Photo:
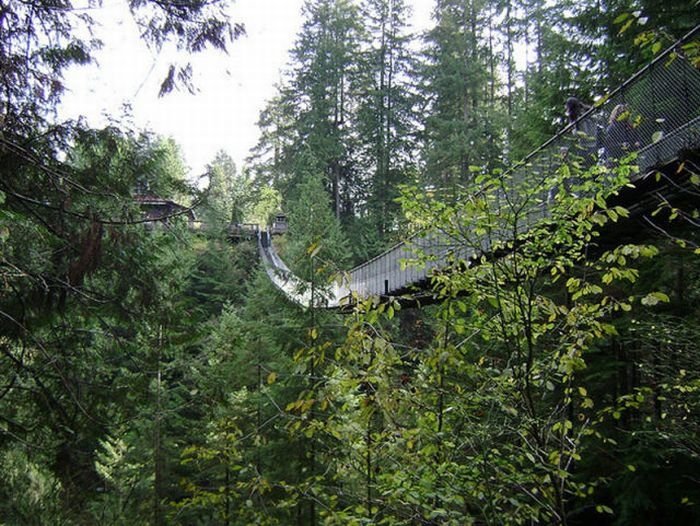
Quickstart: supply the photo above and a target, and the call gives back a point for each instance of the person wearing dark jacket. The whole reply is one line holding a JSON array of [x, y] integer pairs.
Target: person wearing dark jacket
[[574, 108]]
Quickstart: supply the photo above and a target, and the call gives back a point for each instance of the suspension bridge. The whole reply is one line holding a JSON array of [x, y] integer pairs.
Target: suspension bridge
[[661, 103]]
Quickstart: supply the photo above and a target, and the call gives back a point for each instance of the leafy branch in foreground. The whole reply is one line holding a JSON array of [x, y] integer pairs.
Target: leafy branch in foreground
[[498, 420]]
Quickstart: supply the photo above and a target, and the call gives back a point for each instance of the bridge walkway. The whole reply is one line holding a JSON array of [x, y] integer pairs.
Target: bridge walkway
[[661, 101]]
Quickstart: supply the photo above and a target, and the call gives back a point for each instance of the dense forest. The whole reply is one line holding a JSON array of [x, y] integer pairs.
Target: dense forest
[[150, 372]]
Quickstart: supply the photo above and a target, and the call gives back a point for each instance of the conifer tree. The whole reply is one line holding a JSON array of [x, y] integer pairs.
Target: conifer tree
[[317, 246], [459, 128], [313, 114], [385, 117]]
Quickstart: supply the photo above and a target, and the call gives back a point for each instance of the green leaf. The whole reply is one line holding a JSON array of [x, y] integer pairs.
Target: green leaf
[[654, 298], [313, 249], [626, 26]]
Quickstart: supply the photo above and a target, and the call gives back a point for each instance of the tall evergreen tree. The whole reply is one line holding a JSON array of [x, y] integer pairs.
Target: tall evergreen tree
[[459, 128], [271, 158], [317, 246], [552, 72], [228, 194], [92, 302], [385, 118], [317, 101]]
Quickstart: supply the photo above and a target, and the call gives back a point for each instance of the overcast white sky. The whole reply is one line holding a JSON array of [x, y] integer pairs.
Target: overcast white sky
[[233, 88]]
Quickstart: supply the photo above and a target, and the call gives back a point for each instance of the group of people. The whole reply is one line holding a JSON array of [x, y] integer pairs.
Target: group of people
[[609, 143]]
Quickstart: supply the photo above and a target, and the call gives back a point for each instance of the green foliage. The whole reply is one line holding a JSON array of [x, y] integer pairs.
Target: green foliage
[[266, 204], [97, 336], [228, 195], [317, 246], [30, 490], [460, 126], [500, 417], [220, 275], [386, 114]]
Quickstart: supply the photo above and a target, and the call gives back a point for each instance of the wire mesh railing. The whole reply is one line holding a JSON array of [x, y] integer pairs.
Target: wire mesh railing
[[655, 115]]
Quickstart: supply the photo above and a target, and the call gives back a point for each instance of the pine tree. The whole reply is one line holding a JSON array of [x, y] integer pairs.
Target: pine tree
[[323, 78], [312, 116], [459, 128], [385, 117], [317, 247]]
